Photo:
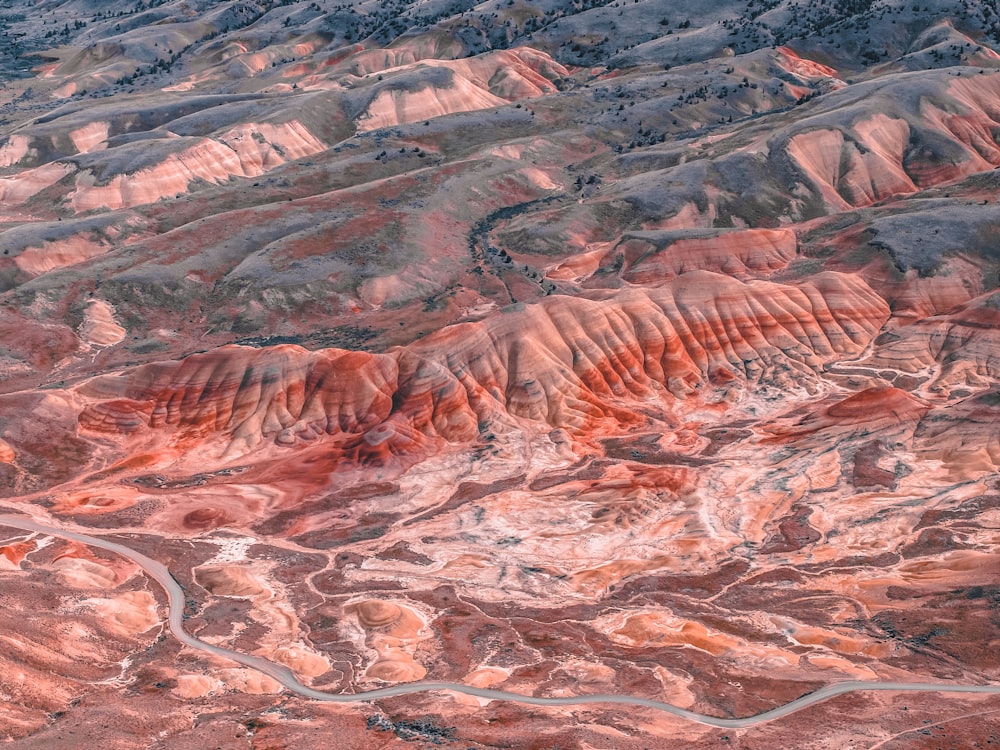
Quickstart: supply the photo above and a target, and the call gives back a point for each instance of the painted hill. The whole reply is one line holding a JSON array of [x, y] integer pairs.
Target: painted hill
[[562, 347]]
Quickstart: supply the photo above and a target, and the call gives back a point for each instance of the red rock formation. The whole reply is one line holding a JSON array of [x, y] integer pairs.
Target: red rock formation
[[648, 259], [565, 362], [885, 403], [249, 393], [882, 409]]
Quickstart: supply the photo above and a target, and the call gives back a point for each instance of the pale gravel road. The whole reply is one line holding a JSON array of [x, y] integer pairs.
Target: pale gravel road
[[175, 599]]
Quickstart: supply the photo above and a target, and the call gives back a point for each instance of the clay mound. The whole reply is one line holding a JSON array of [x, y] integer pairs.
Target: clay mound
[[880, 410], [569, 361], [852, 147], [917, 298], [229, 580], [880, 403], [360, 61], [376, 613], [12, 554], [203, 519], [99, 327], [249, 393], [396, 668], [511, 73], [117, 416], [389, 618], [15, 148], [650, 257], [963, 436], [127, 614], [398, 443], [788, 61], [21, 187], [82, 573], [653, 256], [122, 159], [302, 661], [964, 343], [392, 630], [49, 256]]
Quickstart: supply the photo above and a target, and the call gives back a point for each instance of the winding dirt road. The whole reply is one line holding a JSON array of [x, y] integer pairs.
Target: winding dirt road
[[175, 599]]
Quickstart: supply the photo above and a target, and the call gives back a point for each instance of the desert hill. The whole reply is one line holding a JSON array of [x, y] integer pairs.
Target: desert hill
[[562, 347]]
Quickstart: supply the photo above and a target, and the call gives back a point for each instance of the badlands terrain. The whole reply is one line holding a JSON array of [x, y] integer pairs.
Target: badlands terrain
[[555, 347]]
